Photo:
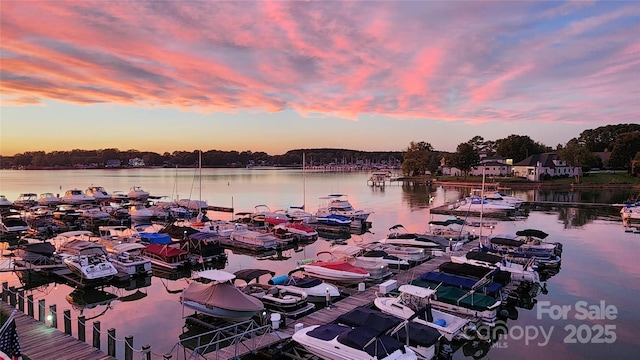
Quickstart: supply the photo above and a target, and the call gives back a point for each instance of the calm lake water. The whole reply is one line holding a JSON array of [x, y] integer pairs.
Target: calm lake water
[[599, 265]]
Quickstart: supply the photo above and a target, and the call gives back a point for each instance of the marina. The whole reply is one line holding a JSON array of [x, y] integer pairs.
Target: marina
[[187, 332]]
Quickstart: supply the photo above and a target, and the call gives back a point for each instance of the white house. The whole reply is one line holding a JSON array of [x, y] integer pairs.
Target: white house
[[535, 167]]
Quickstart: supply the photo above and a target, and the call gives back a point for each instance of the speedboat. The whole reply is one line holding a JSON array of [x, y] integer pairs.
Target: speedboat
[[339, 271], [4, 202], [26, 200], [341, 342], [414, 299], [519, 273], [411, 254], [136, 193], [219, 298], [127, 259], [286, 300], [630, 211], [139, 212], [475, 204], [98, 193], [12, 224], [255, 240], [398, 235], [378, 267], [333, 219], [316, 289], [299, 230], [75, 196], [94, 213], [48, 199], [196, 205], [90, 267], [339, 204], [66, 212]]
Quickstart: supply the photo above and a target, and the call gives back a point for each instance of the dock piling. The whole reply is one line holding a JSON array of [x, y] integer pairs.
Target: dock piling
[[96, 334], [67, 321], [41, 315], [82, 334], [111, 342], [21, 300], [146, 350], [5, 291], [30, 305], [128, 347], [54, 316]]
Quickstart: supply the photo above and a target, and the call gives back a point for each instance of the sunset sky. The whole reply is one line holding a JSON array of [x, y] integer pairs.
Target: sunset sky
[[274, 75]]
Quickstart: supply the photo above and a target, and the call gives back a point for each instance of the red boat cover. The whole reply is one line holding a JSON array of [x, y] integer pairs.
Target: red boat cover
[[165, 251], [221, 295], [341, 266]]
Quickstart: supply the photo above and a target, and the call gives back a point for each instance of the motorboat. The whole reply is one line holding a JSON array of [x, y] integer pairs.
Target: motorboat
[[510, 243], [414, 299], [219, 298], [93, 213], [475, 204], [289, 301], [630, 211], [98, 193], [338, 204], [255, 240], [66, 213], [316, 289], [411, 254], [398, 235], [377, 267], [166, 256], [118, 195], [476, 272], [500, 198], [452, 229], [422, 339], [138, 212], [127, 259], [299, 230], [463, 302], [341, 342], [519, 273], [12, 224], [75, 197], [48, 199], [4, 202], [339, 271], [26, 200], [38, 253], [333, 219], [90, 267], [136, 193], [194, 205]]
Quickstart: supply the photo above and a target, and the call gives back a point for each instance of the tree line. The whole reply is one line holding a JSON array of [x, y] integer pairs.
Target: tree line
[[622, 141]]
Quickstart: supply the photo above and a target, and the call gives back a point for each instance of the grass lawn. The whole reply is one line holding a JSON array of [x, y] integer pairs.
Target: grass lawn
[[601, 178]]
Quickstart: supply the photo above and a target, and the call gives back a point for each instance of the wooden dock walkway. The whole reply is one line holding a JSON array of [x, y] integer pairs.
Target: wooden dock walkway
[[41, 342]]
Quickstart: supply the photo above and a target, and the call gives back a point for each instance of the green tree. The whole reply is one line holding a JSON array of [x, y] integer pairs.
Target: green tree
[[417, 158], [519, 147], [465, 157], [576, 154], [625, 148], [604, 137]]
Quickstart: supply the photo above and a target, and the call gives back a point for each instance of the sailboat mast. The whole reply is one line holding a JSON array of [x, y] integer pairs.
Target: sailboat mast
[[304, 182], [482, 203]]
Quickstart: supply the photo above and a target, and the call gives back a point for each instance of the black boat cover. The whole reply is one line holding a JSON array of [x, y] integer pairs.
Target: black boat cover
[[499, 276], [250, 274], [419, 334], [304, 283], [461, 282], [371, 318], [328, 331], [532, 233], [359, 337], [447, 222], [43, 248], [507, 242], [483, 256]]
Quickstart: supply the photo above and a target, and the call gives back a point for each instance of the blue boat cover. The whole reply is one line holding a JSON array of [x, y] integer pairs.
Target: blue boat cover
[[419, 334], [156, 238], [459, 281], [359, 337]]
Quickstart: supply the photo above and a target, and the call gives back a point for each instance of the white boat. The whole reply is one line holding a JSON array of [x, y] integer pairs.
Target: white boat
[[219, 298], [98, 193], [410, 240], [48, 199], [414, 299], [127, 259], [12, 224], [500, 198], [4, 202], [376, 257], [66, 212], [409, 253], [299, 230], [316, 289], [90, 267], [243, 237], [75, 197], [94, 213], [191, 204], [399, 235], [139, 212], [519, 273], [136, 193], [630, 211], [286, 300], [26, 200], [339, 271], [118, 195], [340, 342], [338, 204], [475, 204]]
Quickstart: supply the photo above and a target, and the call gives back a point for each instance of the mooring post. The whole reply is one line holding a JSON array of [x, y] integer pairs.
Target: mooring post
[[128, 347], [54, 316], [5, 288], [82, 334], [12, 296], [67, 321], [96, 334], [146, 350], [41, 316], [30, 305], [21, 300], [111, 342]]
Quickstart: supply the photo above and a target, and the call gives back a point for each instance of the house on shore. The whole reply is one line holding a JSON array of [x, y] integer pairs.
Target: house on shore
[[538, 166]]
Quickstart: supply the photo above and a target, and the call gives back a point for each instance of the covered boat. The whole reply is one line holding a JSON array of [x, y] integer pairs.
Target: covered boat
[[340, 271], [316, 289], [219, 298]]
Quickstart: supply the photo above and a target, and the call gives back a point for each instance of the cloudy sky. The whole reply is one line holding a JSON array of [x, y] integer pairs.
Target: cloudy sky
[[275, 75]]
